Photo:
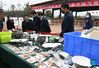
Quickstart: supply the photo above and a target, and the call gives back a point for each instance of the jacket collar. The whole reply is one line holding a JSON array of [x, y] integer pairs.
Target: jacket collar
[[67, 12]]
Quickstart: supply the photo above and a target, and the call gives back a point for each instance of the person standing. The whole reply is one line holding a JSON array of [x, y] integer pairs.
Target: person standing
[[88, 21], [10, 24], [34, 14], [27, 24], [68, 21], [36, 21], [44, 24], [1, 20], [1, 25]]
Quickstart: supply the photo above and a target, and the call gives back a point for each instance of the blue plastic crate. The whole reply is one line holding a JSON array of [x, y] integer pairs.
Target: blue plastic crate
[[76, 45]]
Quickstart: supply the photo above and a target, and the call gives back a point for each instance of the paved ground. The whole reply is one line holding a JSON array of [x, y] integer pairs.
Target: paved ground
[[56, 28]]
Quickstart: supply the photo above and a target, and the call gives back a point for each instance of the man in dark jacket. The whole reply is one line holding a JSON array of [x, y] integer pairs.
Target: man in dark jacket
[[44, 24], [1, 19], [68, 21], [1, 25], [36, 21], [10, 24], [27, 24]]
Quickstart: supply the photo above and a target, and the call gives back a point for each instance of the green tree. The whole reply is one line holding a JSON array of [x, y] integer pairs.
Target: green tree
[[27, 9], [19, 13], [13, 10]]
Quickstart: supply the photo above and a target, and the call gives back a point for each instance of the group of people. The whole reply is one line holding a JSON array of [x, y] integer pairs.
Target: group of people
[[9, 23], [40, 23], [68, 21]]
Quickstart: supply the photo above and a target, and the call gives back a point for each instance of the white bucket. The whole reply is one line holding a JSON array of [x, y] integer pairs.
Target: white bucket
[[81, 62]]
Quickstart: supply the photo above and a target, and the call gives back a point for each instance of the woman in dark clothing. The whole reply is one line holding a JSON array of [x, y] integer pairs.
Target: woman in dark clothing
[[27, 24], [44, 25], [88, 21], [10, 24]]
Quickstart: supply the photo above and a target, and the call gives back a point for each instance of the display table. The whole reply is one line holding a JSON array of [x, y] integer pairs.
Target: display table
[[12, 59], [31, 53]]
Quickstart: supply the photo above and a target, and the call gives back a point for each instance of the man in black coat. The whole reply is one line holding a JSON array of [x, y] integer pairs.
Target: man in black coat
[[44, 24], [68, 21], [36, 21], [10, 24], [1, 20], [1, 25], [27, 24]]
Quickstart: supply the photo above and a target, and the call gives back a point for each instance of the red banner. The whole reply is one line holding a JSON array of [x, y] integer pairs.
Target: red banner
[[86, 3], [92, 1]]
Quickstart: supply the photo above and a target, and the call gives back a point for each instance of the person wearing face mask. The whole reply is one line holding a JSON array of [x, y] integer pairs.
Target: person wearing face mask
[[88, 21], [68, 21], [27, 24]]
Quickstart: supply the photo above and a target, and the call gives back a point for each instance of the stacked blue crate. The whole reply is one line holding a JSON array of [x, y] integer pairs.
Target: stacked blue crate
[[76, 45]]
